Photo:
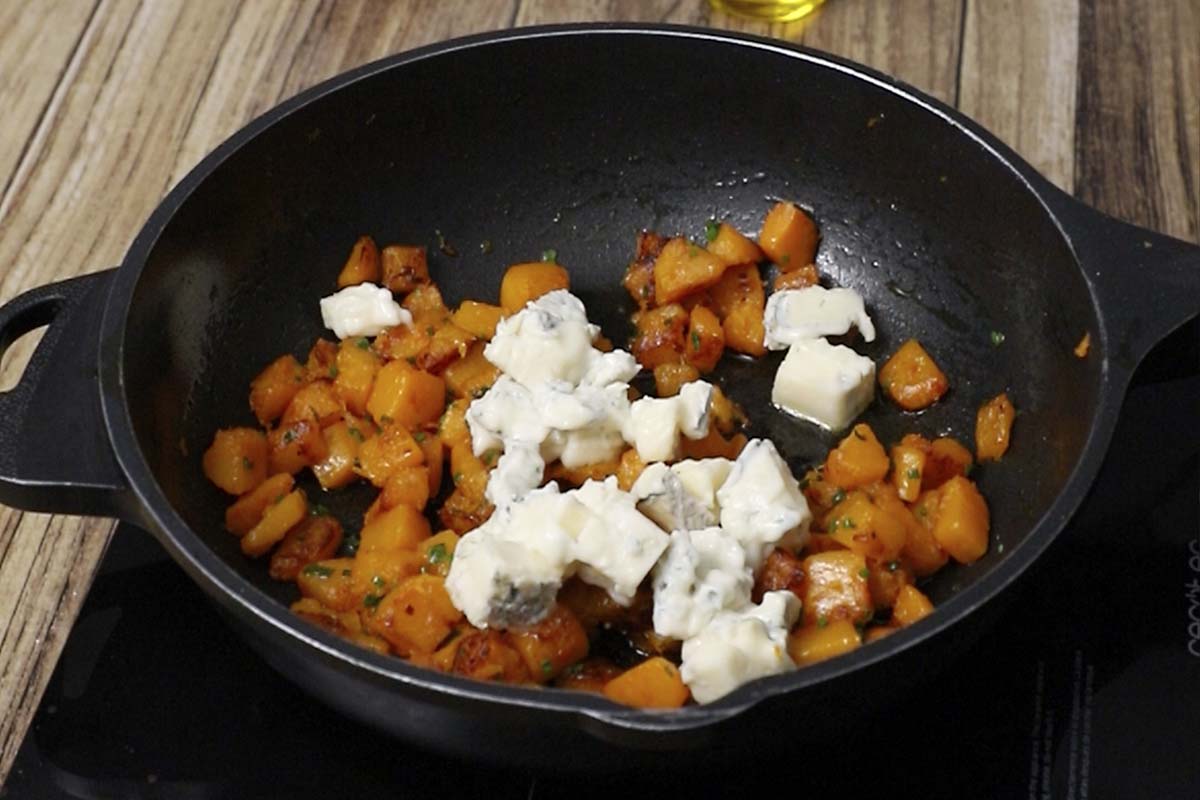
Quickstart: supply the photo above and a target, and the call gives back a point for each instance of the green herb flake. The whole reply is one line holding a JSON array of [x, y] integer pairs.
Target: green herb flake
[[997, 338], [786, 258], [346, 573], [247, 464], [444, 246], [695, 341], [645, 290], [333, 371], [278, 499], [489, 456], [317, 571], [822, 621], [547, 667], [372, 600], [418, 436], [357, 434], [412, 360], [350, 544], [437, 554], [922, 511], [550, 255], [485, 246], [457, 478], [319, 510], [838, 496], [430, 330], [847, 522], [693, 251], [377, 581], [289, 436], [864, 573], [913, 474], [711, 229], [363, 343]]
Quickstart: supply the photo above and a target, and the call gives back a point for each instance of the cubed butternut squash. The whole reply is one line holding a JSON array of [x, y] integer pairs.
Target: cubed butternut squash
[[415, 616], [337, 468], [683, 268], [800, 278], [407, 486], [946, 458], [297, 445], [669, 377], [732, 247], [362, 265], [655, 683], [330, 583], [274, 388], [277, 520], [961, 524], [859, 459], [524, 282], [317, 399], [908, 465], [237, 461], [437, 553], [404, 267], [835, 588], [406, 396], [480, 319], [816, 643], [383, 454], [661, 336], [248, 510], [911, 605], [313, 539], [706, 339], [551, 645], [865, 528], [912, 378], [993, 426], [471, 375], [356, 368], [789, 236]]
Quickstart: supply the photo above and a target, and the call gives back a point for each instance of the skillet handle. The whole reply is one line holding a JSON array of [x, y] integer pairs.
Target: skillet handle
[[55, 454], [1147, 284]]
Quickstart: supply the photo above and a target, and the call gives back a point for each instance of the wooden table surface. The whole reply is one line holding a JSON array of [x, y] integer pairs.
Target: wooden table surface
[[106, 104]]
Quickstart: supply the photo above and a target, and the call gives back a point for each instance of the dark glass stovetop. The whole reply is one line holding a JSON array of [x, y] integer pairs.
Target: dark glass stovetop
[[1089, 687]]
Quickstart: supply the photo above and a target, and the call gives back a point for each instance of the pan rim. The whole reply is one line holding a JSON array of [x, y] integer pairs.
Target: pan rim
[[243, 598]]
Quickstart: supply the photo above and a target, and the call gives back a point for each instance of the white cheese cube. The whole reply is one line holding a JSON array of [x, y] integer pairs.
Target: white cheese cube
[[703, 573], [655, 423], [702, 478], [362, 310], [761, 503], [739, 646], [618, 549], [823, 383], [814, 311], [518, 472], [662, 497]]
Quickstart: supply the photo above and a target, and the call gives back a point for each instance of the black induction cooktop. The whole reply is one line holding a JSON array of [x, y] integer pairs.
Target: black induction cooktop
[[1089, 687]]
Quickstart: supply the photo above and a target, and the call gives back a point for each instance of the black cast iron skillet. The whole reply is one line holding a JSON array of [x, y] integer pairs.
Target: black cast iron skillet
[[575, 138]]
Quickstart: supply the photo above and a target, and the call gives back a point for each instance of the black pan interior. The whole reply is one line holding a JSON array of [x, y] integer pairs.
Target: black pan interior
[[576, 143]]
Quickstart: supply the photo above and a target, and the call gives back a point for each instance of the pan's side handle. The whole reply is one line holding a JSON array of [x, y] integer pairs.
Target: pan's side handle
[[1147, 284], [55, 454]]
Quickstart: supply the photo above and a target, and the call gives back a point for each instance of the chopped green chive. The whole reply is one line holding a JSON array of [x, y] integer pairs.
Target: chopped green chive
[[430, 330], [711, 229], [247, 464], [997, 338], [847, 522], [695, 341], [489, 456], [838, 496], [377, 581], [363, 343], [437, 554], [485, 246], [419, 436], [913, 473], [372, 600], [457, 478], [550, 255], [333, 371], [822, 621], [289, 436], [864, 573], [786, 258], [547, 667], [319, 510], [357, 434], [693, 251], [412, 360], [317, 571]]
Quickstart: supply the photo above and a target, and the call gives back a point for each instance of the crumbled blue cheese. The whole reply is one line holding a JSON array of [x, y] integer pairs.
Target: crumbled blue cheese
[[795, 315], [761, 503], [362, 310], [656, 423], [616, 551], [508, 571], [736, 647], [824, 383], [549, 340], [662, 497], [702, 478], [703, 573]]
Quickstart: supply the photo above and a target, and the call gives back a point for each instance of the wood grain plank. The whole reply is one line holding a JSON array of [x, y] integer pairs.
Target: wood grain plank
[[1138, 130], [1018, 78], [48, 34]]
